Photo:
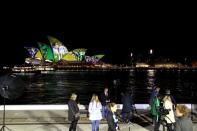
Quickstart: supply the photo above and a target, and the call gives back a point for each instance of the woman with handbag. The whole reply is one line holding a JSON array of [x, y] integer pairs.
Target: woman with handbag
[[95, 114], [169, 118], [73, 112]]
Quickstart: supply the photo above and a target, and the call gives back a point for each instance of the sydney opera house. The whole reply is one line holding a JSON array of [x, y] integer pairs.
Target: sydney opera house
[[55, 55], [56, 52]]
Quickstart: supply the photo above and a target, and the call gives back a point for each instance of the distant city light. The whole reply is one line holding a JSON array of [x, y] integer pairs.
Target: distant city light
[[151, 51], [131, 54]]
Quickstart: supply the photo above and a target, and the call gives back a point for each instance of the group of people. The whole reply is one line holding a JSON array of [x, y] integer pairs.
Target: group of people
[[164, 110], [104, 109]]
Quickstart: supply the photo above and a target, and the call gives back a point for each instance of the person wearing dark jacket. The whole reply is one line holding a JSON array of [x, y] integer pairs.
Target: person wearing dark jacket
[[104, 98], [111, 117], [127, 107], [183, 123], [73, 112]]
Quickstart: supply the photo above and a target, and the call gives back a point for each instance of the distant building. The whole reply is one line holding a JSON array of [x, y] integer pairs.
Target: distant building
[[142, 65], [167, 65]]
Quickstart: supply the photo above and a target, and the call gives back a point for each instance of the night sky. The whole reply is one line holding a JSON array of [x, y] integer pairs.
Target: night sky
[[115, 35]]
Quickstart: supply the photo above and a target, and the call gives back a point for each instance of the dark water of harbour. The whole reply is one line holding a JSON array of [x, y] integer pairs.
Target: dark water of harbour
[[56, 87]]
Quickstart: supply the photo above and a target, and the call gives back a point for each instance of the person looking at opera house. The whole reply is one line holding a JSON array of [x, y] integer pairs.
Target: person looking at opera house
[[95, 114]]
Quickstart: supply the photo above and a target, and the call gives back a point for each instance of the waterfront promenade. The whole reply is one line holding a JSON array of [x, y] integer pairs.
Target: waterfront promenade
[[56, 120], [53, 120]]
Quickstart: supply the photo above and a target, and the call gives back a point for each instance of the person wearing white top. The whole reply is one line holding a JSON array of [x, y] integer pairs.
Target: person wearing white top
[[95, 114], [170, 117]]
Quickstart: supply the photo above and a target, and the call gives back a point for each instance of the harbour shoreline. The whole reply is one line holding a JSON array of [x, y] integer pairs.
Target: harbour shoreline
[[38, 69]]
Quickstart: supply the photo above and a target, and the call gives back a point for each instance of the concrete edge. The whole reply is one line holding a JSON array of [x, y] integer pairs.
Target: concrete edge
[[65, 107]]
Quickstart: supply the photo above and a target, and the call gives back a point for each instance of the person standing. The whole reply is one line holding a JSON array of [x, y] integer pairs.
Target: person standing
[[127, 107], [168, 92], [94, 110], [104, 100], [154, 92], [155, 105], [183, 122], [169, 118], [73, 112], [111, 117]]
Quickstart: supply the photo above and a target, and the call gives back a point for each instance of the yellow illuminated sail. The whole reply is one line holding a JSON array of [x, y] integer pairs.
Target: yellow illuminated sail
[[70, 57], [38, 55]]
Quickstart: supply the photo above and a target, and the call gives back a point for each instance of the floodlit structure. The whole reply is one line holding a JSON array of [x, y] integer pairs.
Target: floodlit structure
[[56, 52]]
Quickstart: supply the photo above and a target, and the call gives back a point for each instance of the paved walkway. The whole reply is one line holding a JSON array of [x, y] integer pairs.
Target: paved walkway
[[53, 120], [56, 120], [65, 127]]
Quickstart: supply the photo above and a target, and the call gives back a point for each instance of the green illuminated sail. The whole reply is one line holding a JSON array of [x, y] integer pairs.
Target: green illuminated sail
[[53, 41], [79, 53], [46, 51], [98, 56]]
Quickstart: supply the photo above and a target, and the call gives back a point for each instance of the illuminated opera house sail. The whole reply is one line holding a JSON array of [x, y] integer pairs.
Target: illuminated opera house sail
[[56, 52]]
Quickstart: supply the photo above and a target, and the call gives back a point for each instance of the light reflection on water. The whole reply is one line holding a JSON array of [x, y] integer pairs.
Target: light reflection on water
[[56, 87]]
